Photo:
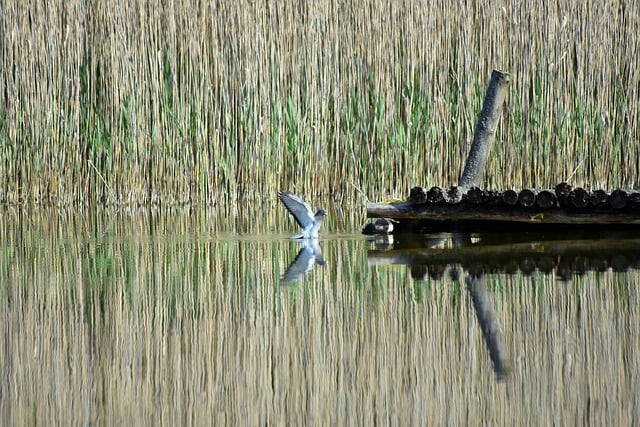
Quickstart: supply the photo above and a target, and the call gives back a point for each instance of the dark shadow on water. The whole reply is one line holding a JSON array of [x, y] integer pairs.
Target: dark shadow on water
[[467, 256]]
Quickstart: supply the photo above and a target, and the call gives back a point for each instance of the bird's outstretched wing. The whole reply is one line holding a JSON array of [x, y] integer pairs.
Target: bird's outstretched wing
[[297, 207]]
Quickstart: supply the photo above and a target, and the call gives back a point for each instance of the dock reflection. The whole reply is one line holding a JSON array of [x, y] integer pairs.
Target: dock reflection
[[467, 257], [568, 253]]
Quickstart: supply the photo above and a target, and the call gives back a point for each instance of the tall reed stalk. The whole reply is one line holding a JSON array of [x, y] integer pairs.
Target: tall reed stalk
[[102, 101]]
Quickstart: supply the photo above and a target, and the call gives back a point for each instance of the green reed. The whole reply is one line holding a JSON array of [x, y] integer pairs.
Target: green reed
[[216, 102]]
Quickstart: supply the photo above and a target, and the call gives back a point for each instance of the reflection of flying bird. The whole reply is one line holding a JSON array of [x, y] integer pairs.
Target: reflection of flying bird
[[309, 254], [303, 214]]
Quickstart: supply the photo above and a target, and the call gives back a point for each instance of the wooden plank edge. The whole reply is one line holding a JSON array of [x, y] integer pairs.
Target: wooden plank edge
[[399, 211]]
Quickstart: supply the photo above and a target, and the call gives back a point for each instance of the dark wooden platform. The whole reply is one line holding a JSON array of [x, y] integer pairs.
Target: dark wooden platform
[[469, 204], [561, 205]]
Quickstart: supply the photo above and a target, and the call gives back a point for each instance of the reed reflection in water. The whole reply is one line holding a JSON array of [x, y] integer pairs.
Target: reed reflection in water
[[174, 318]]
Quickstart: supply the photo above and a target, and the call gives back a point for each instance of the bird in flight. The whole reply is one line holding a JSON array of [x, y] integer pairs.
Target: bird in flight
[[303, 214]]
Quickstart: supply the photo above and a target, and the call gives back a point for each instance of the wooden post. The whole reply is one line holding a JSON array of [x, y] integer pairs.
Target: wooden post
[[546, 199], [527, 197], [476, 195], [599, 198], [579, 197], [510, 197], [619, 199], [436, 195], [563, 192], [485, 130], [418, 195]]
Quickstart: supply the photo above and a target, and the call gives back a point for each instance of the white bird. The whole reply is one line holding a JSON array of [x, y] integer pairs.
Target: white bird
[[303, 214]]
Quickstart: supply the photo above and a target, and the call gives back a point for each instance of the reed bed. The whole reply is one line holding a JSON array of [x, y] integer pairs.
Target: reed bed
[[208, 102]]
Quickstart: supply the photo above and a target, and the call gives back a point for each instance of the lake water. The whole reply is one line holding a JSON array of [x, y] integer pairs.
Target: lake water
[[173, 317]]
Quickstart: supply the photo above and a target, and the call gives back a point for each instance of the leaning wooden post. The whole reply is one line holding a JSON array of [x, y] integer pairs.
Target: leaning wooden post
[[485, 130]]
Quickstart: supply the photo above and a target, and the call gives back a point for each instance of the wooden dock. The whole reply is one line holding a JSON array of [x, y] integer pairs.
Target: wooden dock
[[468, 203], [561, 205]]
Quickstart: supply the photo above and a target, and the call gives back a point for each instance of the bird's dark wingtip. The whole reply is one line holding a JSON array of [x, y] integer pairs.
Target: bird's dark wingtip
[[283, 194]]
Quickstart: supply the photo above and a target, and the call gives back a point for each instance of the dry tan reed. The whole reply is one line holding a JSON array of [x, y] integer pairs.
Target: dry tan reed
[[105, 101]]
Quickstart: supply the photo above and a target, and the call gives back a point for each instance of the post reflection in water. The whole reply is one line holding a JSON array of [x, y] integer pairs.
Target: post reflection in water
[[472, 255], [490, 325]]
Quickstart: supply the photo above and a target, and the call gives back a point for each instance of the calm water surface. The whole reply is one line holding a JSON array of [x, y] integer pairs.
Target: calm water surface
[[175, 317]]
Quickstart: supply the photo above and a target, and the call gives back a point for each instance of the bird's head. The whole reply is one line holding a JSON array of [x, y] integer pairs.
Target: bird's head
[[321, 213]]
